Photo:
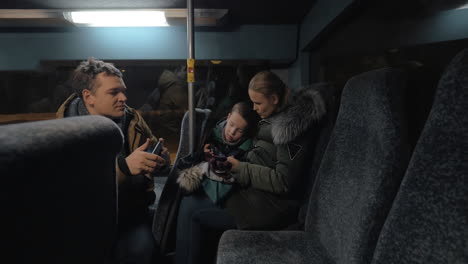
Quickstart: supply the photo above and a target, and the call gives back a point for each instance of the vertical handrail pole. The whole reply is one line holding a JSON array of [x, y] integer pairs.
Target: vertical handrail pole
[[191, 74]]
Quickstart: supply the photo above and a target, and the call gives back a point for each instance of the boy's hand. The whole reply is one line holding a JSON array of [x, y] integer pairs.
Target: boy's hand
[[234, 162], [208, 152], [207, 149], [140, 161]]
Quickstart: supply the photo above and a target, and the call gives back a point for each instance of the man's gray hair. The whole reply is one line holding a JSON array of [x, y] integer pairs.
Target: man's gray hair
[[84, 76]]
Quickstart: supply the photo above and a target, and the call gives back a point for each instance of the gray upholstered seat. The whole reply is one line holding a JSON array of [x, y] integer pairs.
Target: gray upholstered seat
[[358, 178], [59, 196], [167, 208], [318, 141], [428, 222]]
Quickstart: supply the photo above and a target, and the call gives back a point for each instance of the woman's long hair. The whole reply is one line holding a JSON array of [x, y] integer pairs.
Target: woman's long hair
[[269, 84]]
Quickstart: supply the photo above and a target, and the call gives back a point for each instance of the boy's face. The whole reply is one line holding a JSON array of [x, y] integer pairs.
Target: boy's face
[[108, 98], [235, 127]]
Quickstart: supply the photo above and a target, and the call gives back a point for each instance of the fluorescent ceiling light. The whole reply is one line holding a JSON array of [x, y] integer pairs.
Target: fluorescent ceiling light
[[117, 18], [106, 17]]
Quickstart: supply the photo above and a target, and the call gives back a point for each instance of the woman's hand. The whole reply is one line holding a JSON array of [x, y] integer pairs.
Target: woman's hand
[[234, 162]]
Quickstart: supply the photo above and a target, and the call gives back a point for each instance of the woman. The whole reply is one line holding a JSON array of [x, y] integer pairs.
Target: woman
[[269, 183], [267, 192]]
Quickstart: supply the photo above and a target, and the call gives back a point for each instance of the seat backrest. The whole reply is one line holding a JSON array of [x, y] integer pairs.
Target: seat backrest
[[428, 222], [201, 119], [318, 141], [59, 196], [362, 167], [168, 203]]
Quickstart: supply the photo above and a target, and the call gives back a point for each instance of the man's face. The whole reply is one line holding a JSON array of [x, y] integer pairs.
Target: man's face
[[108, 98]]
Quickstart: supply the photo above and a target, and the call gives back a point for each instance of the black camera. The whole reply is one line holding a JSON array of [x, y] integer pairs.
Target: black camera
[[220, 165]]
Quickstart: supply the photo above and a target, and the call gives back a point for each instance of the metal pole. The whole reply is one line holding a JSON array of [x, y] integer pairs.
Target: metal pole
[[190, 74]]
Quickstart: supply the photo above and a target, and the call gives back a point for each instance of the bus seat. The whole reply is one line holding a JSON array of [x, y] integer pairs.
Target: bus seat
[[59, 196], [319, 139], [428, 222], [167, 208], [356, 183]]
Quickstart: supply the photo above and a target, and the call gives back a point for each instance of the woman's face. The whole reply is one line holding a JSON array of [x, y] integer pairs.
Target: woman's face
[[235, 127], [265, 106]]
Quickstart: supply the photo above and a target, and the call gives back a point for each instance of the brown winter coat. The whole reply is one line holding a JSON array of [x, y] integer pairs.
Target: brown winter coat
[[137, 133]]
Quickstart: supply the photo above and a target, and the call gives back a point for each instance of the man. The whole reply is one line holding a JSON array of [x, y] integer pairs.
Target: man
[[100, 90]]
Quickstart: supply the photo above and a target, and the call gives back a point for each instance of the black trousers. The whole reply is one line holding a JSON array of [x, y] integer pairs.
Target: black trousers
[[135, 242], [200, 224]]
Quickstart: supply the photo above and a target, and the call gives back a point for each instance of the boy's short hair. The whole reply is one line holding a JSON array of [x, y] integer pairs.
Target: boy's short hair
[[245, 110]]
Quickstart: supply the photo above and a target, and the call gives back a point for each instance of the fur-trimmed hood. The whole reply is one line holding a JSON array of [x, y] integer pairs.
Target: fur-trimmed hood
[[305, 107]]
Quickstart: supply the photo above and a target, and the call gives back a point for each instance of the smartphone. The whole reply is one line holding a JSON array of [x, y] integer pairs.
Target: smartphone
[[158, 148]]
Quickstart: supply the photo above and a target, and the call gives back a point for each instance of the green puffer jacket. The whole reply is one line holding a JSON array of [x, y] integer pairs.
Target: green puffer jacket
[[267, 197], [216, 190]]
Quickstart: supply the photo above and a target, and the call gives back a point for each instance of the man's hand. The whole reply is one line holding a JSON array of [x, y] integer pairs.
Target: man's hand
[[164, 151], [165, 155], [140, 161], [234, 163]]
